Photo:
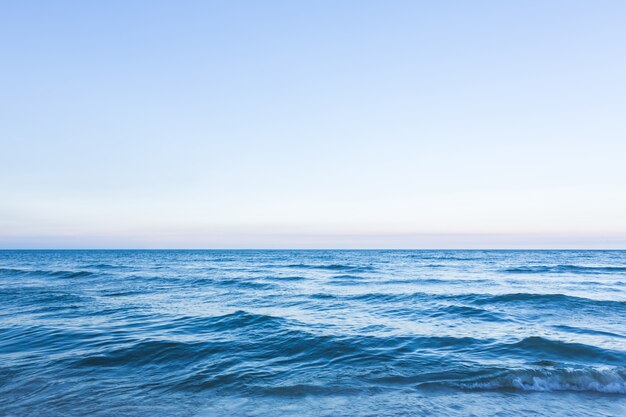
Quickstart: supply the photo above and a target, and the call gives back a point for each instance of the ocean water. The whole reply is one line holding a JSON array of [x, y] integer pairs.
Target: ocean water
[[312, 333]]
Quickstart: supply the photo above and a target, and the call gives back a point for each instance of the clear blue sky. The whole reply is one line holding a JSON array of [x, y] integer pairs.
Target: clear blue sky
[[312, 124]]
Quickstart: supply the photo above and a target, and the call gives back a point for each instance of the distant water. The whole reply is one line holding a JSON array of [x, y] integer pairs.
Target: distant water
[[324, 333]]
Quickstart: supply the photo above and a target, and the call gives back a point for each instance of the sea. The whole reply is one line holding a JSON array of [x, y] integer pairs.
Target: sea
[[312, 333]]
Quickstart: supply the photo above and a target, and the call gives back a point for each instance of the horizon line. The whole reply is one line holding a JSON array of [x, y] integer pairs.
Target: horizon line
[[313, 249]]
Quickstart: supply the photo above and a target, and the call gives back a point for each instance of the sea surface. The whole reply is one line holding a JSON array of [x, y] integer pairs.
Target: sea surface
[[312, 333]]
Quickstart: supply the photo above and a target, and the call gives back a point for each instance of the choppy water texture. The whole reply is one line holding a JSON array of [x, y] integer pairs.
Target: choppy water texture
[[356, 333]]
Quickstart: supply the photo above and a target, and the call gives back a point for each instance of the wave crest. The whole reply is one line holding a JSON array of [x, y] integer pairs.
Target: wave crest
[[55, 274], [575, 269], [607, 380]]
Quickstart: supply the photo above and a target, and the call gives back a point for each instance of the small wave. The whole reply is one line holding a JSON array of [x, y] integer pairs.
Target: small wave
[[9, 271], [580, 330], [243, 283], [386, 298], [324, 296], [308, 389], [231, 321], [520, 296], [152, 351], [332, 267], [576, 269], [347, 276], [437, 281], [543, 347], [609, 380], [107, 266], [442, 257], [57, 274], [289, 278], [164, 352], [346, 279], [42, 339], [72, 274], [558, 299], [466, 311], [23, 272], [122, 293]]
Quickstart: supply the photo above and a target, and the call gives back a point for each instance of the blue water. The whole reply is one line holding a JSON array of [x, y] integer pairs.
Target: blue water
[[324, 333]]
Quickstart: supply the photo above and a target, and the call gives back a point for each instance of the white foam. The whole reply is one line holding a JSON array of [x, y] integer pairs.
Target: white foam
[[605, 380]]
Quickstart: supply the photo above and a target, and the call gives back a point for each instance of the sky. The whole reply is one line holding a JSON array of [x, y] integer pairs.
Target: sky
[[313, 124]]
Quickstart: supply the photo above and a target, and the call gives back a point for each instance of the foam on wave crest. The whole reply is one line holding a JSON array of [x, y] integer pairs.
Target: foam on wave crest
[[607, 380]]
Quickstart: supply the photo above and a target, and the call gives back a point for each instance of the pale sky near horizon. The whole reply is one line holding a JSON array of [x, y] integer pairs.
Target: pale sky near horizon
[[313, 124]]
